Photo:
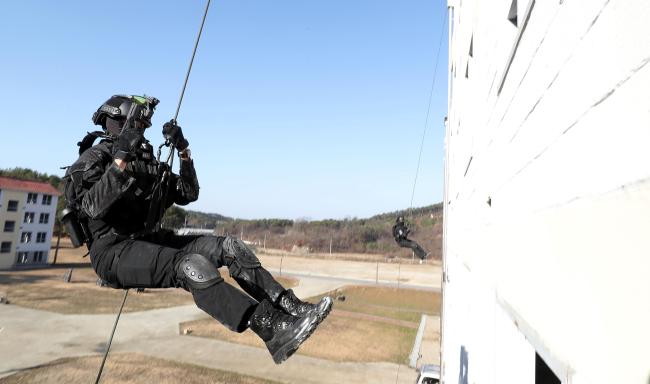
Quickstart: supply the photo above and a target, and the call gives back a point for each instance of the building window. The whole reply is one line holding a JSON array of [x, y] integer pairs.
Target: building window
[[47, 199], [31, 198], [10, 226], [44, 218], [5, 247], [12, 206], [512, 13], [471, 46], [39, 257], [40, 237], [543, 373], [518, 16], [29, 218], [26, 237], [21, 257]]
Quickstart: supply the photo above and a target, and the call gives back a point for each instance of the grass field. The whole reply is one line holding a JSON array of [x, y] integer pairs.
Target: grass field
[[376, 331], [126, 369], [400, 304]]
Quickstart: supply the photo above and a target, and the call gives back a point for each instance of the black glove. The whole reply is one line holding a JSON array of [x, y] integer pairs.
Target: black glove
[[126, 144], [174, 133]]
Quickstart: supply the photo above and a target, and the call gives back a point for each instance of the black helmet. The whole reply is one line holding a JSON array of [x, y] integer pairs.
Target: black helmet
[[118, 106], [400, 219]]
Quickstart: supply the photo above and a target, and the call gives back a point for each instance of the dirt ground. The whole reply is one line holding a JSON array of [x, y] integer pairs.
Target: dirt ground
[[373, 324], [370, 257], [126, 369], [43, 288]]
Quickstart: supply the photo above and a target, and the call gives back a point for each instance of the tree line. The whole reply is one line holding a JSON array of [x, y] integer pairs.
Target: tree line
[[369, 235]]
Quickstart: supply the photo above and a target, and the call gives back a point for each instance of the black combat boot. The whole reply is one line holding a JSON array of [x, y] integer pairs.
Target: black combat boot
[[282, 333], [294, 306]]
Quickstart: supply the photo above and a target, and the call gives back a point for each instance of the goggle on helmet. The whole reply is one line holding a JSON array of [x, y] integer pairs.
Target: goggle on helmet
[[118, 107]]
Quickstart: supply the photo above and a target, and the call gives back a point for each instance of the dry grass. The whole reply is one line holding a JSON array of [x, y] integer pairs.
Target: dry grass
[[338, 338], [400, 304], [83, 297], [126, 369], [44, 288], [372, 324]]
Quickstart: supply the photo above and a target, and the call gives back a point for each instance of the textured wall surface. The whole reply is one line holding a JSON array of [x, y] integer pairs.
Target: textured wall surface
[[547, 205]]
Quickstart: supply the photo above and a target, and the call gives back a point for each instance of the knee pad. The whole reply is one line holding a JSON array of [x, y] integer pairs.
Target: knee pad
[[238, 256], [198, 272]]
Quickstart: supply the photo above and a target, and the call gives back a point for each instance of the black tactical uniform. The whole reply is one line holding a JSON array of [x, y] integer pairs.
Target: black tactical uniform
[[400, 233], [127, 253]]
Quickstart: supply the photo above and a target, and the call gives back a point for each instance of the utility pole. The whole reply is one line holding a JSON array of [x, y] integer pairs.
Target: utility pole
[[58, 241], [265, 241], [377, 274], [330, 245], [242, 233]]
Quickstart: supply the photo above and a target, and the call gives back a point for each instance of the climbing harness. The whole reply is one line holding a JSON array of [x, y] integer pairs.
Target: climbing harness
[[161, 187]]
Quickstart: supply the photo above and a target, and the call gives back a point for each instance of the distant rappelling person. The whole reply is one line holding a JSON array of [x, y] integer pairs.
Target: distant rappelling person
[[400, 233], [111, 196]]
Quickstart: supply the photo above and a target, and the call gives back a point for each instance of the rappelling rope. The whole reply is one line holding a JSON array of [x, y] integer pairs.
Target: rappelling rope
[[110, 340], [189, 68], [417, 171], [170, 157], [426, 120], [170, 162]]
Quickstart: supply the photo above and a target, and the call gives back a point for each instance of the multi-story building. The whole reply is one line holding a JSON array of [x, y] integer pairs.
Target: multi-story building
[[27, 216], [547, 200]]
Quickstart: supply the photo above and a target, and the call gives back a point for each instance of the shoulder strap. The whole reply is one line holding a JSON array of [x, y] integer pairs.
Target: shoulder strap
[[89, 140]]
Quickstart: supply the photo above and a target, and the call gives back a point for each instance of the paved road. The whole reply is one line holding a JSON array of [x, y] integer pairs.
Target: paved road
[[32, 337], [421, 276]]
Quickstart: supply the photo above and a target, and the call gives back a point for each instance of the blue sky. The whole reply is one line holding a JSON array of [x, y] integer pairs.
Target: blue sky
[[293, 109]]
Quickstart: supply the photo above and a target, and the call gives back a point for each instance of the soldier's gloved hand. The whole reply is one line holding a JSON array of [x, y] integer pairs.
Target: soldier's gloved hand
[[126, 144], [174, 133]]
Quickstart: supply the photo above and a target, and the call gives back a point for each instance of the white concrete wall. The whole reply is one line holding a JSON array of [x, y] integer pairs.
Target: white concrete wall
[[559, 262]]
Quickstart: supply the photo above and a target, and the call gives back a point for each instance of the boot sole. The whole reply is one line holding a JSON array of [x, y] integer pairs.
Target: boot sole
[[324, 308], [306, 327]]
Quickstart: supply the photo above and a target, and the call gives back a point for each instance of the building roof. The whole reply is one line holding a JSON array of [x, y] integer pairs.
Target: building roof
[[27, 186]]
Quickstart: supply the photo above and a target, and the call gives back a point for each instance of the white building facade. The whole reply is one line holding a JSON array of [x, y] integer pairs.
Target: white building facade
[[27, 216], [547, 194]]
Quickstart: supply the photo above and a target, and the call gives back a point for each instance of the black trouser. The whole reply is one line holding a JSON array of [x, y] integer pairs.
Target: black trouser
[[406, 243], [151, 262]]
